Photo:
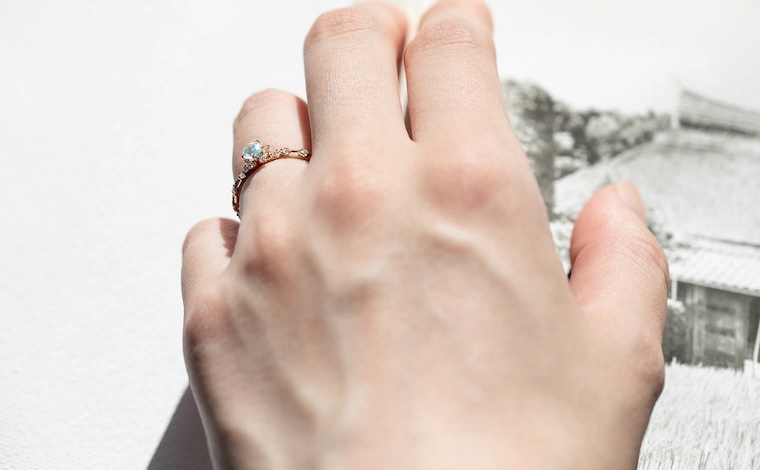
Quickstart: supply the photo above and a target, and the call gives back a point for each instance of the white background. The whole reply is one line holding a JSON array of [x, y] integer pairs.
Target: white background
[[115, 136]]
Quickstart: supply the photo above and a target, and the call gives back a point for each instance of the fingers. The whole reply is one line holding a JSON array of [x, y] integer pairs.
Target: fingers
[[206, 254], [453, 83], [620, 272], [351, 59], [274, 118]]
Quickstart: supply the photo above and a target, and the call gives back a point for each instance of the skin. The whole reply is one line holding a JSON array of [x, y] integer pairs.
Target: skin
[[398, 302]]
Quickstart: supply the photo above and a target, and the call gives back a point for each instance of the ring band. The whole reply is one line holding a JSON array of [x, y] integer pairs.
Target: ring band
[[256, 155]]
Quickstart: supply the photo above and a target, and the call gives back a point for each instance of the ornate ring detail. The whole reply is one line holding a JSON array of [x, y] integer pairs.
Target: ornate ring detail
[[255, 155]]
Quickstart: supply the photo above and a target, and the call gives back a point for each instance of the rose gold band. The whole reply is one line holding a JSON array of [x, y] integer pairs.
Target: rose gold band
[[255, 155]]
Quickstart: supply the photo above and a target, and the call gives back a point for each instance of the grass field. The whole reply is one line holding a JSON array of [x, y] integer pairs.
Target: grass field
[[705, 419]]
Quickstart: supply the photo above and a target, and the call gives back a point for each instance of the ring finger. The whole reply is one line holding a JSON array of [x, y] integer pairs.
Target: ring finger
[[277, 119]]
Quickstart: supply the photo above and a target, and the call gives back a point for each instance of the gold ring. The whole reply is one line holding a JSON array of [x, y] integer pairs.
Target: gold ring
[[255, 155]]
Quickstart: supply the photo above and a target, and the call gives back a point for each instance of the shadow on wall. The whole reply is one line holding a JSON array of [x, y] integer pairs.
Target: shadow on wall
[[183, 446]]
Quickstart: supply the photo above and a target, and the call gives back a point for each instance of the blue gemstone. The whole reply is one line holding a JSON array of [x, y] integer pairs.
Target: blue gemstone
[[253, 150]]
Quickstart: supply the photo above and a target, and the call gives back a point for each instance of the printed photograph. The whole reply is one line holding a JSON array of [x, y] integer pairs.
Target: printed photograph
[[678, 114]]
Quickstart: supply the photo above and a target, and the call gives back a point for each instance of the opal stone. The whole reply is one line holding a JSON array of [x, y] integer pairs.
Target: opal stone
[[253, 150]]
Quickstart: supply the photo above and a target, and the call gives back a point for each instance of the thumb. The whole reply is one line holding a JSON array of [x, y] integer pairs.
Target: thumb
[[618, 266]]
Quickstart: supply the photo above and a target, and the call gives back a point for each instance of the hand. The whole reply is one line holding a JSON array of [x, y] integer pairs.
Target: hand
[[398, 302]]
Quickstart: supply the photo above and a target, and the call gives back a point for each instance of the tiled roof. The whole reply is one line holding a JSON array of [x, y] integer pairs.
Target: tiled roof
[[721, 265], [692, 182]]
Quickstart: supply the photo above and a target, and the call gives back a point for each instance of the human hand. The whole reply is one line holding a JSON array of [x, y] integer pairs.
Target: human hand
[[398, 302]]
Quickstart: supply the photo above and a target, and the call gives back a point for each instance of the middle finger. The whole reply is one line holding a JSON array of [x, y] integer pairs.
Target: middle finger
[[351, 59], [453, 82]]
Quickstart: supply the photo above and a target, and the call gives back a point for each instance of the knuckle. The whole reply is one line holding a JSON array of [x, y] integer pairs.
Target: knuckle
[[451, 34], [350, 193], [630, 244], [647, 253], [469, 185], [274, 244], [258, 102], [197, 238], [206, 315], [655, 373], [649, 365], [197, 232], [341, 22]]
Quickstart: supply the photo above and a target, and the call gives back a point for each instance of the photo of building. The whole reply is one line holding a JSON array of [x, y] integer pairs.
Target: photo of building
[[700, 183]]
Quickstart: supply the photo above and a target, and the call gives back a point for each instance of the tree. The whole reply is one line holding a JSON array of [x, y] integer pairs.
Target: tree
[[533, 115]]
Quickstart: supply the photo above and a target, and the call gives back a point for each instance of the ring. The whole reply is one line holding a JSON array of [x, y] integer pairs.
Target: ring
[[256, 155]]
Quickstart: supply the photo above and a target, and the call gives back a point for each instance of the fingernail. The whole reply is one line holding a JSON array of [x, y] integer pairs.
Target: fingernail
[[632, 198]]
